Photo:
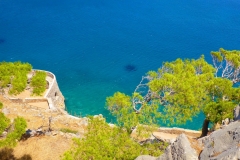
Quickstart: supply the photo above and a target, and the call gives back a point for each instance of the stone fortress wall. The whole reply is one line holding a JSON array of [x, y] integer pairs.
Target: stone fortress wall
[[53, 96]]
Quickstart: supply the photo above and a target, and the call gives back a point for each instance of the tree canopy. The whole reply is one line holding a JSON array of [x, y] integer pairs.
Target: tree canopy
[[180, 90]]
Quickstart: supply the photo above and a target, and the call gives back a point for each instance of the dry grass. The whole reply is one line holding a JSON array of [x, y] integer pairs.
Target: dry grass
[[24, 94], [43, 147]]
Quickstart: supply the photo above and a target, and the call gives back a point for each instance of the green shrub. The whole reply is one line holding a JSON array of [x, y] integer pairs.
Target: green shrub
[[19, 126], [19, 83], [66, 130], [4, 123], [14, 73], [16, 130], [1, 105], [107, 143], [39, 83]]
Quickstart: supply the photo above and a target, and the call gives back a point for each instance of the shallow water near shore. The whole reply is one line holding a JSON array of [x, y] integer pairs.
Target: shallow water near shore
[[89, 45]]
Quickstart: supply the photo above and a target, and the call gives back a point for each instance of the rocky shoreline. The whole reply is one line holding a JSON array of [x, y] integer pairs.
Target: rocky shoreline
[[222, 144]]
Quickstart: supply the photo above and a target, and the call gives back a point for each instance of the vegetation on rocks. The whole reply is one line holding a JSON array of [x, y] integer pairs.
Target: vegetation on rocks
[[102, 141], [67, 130], [14, 74], [39, 82], [14, 130]]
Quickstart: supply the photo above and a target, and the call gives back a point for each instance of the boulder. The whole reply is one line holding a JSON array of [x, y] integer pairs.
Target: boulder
[[179, 149], [230, 154], [236, 113], [222, 144]]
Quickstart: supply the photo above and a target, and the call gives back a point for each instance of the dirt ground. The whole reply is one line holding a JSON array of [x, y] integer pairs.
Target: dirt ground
[[43, 147]]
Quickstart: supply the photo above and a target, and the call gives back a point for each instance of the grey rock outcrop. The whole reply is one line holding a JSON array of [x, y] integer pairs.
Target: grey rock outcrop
[[180, 149], [236, 113], [222, 144]]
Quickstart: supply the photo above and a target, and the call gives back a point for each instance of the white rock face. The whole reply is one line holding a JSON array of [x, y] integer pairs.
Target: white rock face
[[222, 144], [180, 149]]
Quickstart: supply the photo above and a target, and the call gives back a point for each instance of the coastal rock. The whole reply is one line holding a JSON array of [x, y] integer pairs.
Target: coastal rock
[[230, 154], [223, 143], [179, 149], [236, 113], [165, 137]]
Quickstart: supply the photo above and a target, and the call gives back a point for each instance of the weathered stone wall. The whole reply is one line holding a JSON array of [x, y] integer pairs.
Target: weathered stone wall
[[54, 93], [16, 100], [34, 100]]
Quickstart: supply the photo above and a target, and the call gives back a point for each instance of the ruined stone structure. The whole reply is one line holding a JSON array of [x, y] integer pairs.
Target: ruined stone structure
[[53, 94]]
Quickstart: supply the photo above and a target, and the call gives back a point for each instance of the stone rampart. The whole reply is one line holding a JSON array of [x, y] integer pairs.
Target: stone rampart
[[54, 92], [34, 100], [16, 100]]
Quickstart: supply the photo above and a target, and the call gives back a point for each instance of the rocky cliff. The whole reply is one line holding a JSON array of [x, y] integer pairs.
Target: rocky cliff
[[223, 144]]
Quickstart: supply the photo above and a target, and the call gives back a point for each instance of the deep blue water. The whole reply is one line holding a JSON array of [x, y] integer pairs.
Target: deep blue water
[[87, 44]]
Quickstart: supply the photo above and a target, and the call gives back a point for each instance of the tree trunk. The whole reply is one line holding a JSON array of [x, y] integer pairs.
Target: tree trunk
[[205, 128]]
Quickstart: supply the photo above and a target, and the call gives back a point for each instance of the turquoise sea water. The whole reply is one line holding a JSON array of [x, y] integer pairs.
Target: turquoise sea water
[[87, 44]]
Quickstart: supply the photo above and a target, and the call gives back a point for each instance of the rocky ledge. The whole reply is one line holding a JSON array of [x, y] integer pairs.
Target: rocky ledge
[[222, 144]]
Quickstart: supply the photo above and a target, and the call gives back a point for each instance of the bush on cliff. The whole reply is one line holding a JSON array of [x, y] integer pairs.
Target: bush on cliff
[[102, 141], [15, 130], [14, 74], [39, 83]]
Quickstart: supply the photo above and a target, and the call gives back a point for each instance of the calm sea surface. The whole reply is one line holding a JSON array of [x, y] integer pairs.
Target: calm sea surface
[[87, 44]]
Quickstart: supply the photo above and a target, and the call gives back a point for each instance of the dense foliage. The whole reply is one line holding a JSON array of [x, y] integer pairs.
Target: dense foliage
[[105, 142], [14, 73], [15, 130], [39, 82], [180, 90]]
